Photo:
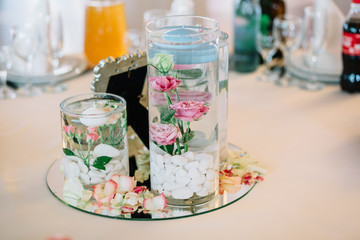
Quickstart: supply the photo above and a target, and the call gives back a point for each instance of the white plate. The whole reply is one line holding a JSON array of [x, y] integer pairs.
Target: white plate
[[300, 70], [70, 66]]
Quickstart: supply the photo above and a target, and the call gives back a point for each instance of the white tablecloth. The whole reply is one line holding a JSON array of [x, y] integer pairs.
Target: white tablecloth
[[309, 141]]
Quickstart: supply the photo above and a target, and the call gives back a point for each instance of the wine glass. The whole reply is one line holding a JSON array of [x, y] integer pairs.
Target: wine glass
[[5, 65], [313, 42], [287, 34], [267, 49], [54, 36], [25, 41]]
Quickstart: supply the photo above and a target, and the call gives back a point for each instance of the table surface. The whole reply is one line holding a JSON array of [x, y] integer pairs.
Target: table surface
[[309, 142]]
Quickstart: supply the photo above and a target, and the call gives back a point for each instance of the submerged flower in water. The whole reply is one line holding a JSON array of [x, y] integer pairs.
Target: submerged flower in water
[[92, 136], [164, 63], [164, 83], [164, 134], [189, 110], [69, 129]]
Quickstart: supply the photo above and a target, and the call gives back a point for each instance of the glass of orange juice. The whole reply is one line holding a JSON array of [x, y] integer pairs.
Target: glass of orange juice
[[105, 29]]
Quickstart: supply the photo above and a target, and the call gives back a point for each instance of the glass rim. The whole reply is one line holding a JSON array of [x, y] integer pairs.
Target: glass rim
[[85, 96], [208, 30]]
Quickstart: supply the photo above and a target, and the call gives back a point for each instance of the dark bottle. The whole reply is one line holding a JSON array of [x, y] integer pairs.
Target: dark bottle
[[270, 9], [246, 26], [350, 77]]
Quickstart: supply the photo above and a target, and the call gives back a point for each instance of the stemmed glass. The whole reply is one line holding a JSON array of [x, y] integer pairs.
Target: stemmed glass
[[54, 36], [5, 65], [25, 42], [313, 43], [267, 48], [287, 34]]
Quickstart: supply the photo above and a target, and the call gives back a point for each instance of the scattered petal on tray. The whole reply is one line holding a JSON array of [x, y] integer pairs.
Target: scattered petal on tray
[[241, 169], [118, 196]]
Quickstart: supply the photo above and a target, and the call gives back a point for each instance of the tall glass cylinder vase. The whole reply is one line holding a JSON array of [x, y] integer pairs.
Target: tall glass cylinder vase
[[183, 91], [223, 96]]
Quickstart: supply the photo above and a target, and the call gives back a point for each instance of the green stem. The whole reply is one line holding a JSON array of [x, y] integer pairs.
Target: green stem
[[168, 100], [186, 138], [180, 122]]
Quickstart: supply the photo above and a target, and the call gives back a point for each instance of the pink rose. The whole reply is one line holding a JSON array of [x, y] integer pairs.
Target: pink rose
[[189, 110], [163, 134], [69, 129], [93, 136], [164, 83]]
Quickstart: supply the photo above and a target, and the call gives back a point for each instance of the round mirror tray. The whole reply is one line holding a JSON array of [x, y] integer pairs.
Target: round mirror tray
[[56, 181]]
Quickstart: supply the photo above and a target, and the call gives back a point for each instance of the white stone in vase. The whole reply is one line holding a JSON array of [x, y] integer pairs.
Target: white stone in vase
[[106, 150], [179, 160], [71, 170], [182, 193], [189, 165]]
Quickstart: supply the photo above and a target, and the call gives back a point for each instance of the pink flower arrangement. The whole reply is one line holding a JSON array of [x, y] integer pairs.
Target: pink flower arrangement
[[189, 110], [164, 83], [164, 134]]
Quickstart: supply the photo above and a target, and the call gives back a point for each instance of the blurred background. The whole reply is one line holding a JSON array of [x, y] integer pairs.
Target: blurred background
[[73, 13]]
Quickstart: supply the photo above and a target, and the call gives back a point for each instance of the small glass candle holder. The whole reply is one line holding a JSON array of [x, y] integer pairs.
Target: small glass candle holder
[[94, 137]]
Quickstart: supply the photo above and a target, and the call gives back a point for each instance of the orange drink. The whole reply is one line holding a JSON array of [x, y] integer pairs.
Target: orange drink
[[105, 28]]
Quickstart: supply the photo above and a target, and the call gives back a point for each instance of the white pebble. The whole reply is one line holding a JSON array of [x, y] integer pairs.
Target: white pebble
[[190, 165], [117, 166], [85, 178], [96, 174], [189, 156], [206, 163], [206, 160], [108, 167], [210, 175], [182, 179], [106, 150], [178, 160], [169, 186], [194, 173], [199, 180], [209, 186], [71, 170], [82, 166], [195, 188], [96, 180], [110, 174], [202, 193], [159, 160], [182, 193], [91, 120]]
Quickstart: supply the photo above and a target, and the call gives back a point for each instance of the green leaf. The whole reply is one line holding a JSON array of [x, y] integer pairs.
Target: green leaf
[[100, 162], [68, 152], [166, 115]]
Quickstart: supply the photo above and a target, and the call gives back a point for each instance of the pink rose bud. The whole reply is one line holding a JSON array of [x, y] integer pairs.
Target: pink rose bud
[[164, 83], [69, 129], [163, 134], [189, 110]]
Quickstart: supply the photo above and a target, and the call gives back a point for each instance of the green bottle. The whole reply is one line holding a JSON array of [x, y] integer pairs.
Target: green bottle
[[246, 27]]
